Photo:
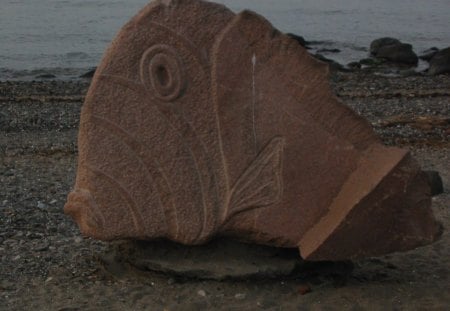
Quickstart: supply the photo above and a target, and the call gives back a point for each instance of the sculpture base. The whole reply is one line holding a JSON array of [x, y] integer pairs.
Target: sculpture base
[[220, 259]]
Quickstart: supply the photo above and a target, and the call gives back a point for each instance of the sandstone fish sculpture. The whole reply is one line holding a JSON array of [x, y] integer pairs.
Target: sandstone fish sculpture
[[200, 122]]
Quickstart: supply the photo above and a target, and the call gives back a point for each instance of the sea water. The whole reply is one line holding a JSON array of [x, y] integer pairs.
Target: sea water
[[67, 37]]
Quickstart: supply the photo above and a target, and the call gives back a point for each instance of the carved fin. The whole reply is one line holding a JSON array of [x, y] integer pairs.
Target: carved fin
[[261, 184]]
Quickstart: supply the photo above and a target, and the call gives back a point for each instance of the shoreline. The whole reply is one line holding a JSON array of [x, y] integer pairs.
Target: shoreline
[[46, 264]]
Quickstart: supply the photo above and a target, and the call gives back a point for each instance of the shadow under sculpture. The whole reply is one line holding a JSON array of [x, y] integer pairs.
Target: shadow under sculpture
[[200, 122]]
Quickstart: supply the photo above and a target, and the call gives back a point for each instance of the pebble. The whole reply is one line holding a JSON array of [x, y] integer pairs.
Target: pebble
[[240, 296], [304, 289], [41, 205], [41, 247], [201, 293]]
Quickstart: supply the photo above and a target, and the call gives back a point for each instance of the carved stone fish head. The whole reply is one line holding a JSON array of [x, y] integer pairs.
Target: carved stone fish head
[[200, 122]]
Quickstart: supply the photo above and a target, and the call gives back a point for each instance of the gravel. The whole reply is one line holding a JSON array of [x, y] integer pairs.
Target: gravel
[[46, 264]]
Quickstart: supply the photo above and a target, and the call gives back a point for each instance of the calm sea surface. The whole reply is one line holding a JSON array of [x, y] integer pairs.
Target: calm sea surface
[[66, 37]]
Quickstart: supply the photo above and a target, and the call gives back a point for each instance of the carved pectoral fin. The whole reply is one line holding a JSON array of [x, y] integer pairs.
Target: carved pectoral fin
[[261, 183]]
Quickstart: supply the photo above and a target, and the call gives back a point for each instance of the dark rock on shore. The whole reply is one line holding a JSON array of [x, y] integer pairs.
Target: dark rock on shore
[[394, 51], [372, 61], [331, 63], [46, 76], [301, 40], [440, 63], [429, 53], [329, 51], [89, 74], [354, 65], [379, 43], [435, 181]]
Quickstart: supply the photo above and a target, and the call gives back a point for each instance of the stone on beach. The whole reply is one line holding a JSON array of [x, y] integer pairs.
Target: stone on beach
[[428, 54], [394, 51], [201, 123], [440, 62]]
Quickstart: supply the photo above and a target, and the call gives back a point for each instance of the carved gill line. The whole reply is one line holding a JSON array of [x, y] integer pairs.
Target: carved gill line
[[132, 206], [214, 85], [263, 160], [257, 190], [205, 65], [200, 156], [155, 173]]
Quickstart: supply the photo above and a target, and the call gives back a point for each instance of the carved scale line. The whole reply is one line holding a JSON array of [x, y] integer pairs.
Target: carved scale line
[[154, 172], [255, 205], [172, 123], [198, 151], [132, 207], [197, 143]]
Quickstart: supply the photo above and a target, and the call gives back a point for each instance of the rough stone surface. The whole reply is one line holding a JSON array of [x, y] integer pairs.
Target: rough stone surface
[[436, 184], [440, 62], [193, 128], [219, 259], [428, 54], [300, 39], [394, 51], [376, 44]]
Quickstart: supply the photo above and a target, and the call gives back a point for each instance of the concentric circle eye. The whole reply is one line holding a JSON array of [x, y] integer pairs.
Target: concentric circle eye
[[161, 72]]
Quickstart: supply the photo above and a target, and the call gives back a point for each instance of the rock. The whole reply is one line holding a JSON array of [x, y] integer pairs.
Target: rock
[[42, 246], [201, 293], [354, 65], [328, 51], [219, 259], [400, 53], [46, 76], [394, 51], [372, 62], [375, 45], [240, 296], [41, 205], [304, 289], [436, 184], [299, 39], [89, 74], [440, 63], [428, 54], [334, 66], [231, 129]]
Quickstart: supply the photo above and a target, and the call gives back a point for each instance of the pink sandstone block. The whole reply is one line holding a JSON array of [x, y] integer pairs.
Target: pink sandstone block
[[200, 123]]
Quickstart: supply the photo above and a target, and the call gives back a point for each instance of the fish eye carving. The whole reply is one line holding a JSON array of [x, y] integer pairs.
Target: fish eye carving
[[162, 72]]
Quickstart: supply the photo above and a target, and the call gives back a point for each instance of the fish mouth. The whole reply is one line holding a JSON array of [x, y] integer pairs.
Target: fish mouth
[[395, 215], [82, 207]]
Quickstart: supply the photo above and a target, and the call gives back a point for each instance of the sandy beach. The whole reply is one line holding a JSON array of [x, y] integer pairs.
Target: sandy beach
[[45, 263]]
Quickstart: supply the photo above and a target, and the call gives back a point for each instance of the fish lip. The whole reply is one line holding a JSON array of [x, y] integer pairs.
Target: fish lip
[[81, 206]]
